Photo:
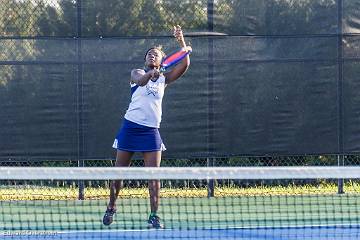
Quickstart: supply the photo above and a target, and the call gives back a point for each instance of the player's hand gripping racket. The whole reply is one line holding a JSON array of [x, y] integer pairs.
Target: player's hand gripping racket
[[174, 58]]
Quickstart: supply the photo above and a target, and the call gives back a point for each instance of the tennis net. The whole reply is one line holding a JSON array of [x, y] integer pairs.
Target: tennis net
[[247, 203]]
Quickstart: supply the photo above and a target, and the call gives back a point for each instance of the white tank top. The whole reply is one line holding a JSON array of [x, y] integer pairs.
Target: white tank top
[[145, 106]]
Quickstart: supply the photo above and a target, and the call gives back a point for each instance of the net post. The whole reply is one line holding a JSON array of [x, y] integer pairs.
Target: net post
[[210, 182], [340, 159]]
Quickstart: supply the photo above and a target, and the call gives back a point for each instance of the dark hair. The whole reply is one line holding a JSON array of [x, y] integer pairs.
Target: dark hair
[[157, 48]]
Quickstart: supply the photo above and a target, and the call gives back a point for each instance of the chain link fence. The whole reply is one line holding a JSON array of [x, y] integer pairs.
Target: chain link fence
[[43, 190], [247, 161]]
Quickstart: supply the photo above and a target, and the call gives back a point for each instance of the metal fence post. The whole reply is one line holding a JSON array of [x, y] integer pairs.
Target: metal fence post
[[210, 161], [80, 99], [340, 159]]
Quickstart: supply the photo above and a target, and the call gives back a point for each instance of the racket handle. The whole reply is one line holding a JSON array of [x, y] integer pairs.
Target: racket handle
[[187, 49]]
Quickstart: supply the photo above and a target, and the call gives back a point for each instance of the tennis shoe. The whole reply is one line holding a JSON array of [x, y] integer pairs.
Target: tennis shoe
[[154, 222], [109, 216]]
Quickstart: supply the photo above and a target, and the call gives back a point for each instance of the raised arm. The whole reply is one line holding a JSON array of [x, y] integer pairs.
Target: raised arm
[[141, 78], [181, 68]]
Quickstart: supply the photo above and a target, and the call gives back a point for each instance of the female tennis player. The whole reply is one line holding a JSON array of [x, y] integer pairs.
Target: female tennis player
[[140, 128]]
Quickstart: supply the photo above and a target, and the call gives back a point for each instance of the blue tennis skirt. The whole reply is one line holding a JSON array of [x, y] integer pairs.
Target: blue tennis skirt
[[133, 137]]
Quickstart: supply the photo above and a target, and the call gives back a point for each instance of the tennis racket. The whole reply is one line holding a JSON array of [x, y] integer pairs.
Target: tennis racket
[[174, 58]]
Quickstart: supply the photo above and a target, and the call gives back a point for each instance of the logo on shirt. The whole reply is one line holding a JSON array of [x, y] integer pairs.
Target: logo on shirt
[[152, 88]]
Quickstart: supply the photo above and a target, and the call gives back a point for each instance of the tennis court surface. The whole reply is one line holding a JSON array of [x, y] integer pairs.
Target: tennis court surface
[[248, 203]]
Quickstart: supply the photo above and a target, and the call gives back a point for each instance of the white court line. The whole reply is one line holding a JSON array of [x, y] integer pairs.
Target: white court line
[[113, 230], [215, 229], [44, 232]]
